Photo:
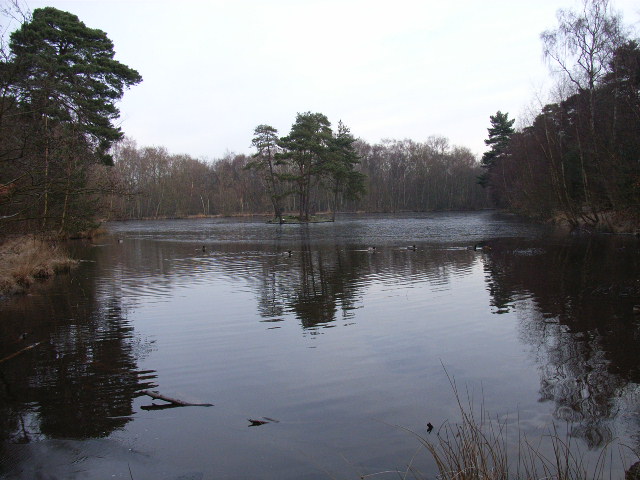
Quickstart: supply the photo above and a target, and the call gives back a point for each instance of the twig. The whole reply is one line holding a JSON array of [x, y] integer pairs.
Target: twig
[[29, 347]]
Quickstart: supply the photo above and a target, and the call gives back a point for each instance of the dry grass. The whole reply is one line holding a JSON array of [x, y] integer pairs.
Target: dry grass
[[23, 260], [477, 448], [89, 233]]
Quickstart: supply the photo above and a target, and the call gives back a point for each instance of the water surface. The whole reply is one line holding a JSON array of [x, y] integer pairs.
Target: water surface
[[340, 348]]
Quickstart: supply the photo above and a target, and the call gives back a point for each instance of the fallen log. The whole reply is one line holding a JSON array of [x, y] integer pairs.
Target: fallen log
[[173, 401], [15, 354]]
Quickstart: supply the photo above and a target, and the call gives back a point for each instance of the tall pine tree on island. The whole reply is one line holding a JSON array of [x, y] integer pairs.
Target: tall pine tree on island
[[265, 140], [306, 149], [340, 169]]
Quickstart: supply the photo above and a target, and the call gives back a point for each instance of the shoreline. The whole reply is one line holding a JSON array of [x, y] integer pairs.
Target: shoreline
[[285, 215], [614, 223], [27, 259]]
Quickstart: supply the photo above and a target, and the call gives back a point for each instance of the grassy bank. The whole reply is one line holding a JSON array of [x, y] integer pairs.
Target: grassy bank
[[27, 259]]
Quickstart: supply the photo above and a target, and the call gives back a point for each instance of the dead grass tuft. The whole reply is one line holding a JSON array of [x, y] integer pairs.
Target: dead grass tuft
[[25, 259]]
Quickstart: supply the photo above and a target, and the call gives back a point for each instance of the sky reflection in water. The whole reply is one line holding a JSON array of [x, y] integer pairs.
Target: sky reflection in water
[[339, 344]]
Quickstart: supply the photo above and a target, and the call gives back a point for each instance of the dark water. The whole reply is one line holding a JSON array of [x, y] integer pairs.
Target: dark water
[[344, 347]]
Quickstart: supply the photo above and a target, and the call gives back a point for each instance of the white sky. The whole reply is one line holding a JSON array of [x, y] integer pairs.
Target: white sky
[[214, 70]]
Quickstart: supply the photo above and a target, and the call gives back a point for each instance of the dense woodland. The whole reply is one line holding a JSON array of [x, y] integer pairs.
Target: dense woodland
[[579, 159], [396, 176], [66, 166]]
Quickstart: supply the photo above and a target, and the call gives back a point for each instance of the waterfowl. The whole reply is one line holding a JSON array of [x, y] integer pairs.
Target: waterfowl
[[288, 253], [204, 249], [480, 246], [429, 427], [371, 249], [412, 247]]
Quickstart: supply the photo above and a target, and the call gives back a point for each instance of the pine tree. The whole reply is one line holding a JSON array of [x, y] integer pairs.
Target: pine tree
[[340, 168], [499, 134], [307, 150], [265, 140], [65, 84], [67, 73]]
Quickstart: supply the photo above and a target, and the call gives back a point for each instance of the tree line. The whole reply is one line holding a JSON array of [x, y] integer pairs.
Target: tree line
[[150, 182], [65, 164], [579, 158]]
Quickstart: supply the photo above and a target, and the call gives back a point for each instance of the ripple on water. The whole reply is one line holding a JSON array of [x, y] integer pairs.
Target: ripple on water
[[360, 344]]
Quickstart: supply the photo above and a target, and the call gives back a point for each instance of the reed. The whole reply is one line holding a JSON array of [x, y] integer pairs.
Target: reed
[[25, 259], [478, 448], [474, 448]]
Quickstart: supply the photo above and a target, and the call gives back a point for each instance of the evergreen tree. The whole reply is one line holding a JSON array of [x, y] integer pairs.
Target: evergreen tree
[[500, 132], [62, 83], [306, 149], [66, 73], [341, 167], [265, 140]]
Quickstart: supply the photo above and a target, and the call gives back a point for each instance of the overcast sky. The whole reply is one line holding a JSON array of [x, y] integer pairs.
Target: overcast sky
[[214, 70]]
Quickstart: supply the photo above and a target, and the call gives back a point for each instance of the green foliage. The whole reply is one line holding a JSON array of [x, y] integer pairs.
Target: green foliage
[[307, 144], [310, 157], [500, 132], [265, 140], [60, 84], [306, 149], [341, 165], [66, 73]]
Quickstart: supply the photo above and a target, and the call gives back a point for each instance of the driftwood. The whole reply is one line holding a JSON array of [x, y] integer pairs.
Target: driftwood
[[15, 354], [173, 402]]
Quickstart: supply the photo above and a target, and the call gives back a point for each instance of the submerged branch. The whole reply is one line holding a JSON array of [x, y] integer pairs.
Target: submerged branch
[[173, 401], [15, 354]]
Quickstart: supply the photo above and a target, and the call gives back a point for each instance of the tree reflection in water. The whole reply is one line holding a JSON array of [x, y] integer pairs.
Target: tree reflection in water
[[573, 301], [323, 285], [81, 380], [579, 297]]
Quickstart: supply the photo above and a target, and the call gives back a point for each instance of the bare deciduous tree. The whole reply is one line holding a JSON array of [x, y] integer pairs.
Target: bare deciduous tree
[[584, 42]]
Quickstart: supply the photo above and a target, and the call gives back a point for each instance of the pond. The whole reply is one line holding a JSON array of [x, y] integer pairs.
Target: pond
[[344, 351]]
